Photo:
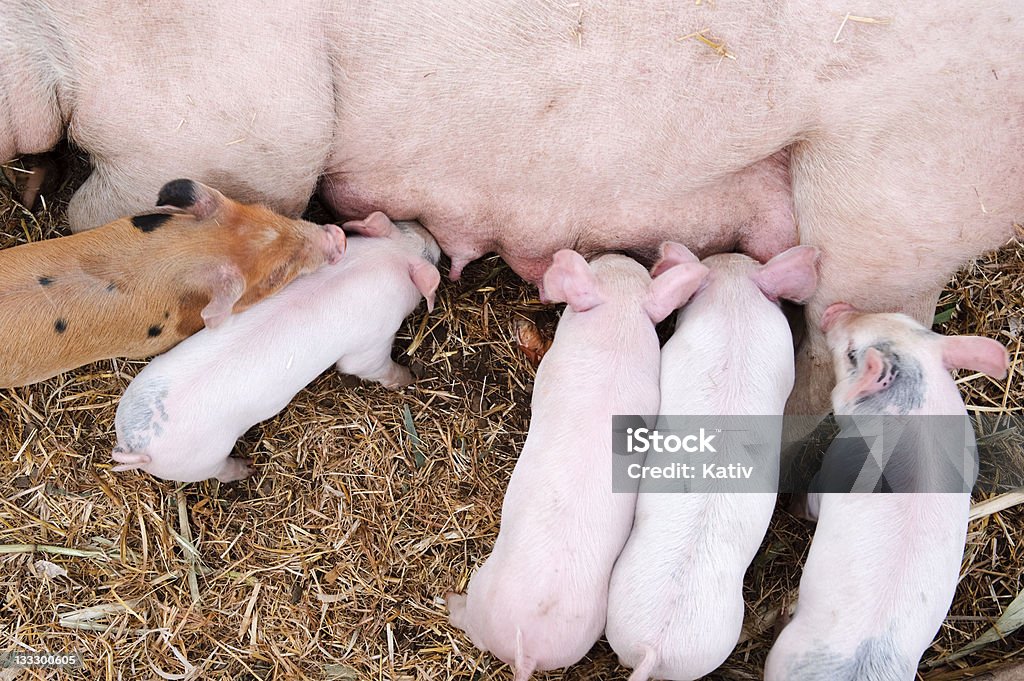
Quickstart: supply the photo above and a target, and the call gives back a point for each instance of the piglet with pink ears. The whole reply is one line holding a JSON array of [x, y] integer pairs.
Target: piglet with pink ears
[[539, 601]]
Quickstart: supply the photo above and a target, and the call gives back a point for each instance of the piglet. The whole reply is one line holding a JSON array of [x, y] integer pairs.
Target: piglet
[[675, 605], [181, 416], [882, 568], [539, 601], [138, 286]]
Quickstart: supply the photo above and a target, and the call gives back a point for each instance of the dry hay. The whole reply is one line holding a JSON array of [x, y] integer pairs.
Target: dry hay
[[368, 506]]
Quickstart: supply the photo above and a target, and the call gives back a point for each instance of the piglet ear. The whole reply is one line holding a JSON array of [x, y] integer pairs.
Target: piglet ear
[[873, 376], [672, 253], [426, 277], [976, 353], [570, 280], [670, 290], [375, 224], [226, 290], [790, 275], [192, 197], [832, 314]]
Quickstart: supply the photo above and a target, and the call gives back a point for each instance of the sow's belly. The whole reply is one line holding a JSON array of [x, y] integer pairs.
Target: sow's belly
[[551, 131], [748, 211]]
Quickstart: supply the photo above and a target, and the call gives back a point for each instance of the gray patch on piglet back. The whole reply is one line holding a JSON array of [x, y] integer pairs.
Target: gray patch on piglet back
[[906, 391], [876, 659], [140, 413]]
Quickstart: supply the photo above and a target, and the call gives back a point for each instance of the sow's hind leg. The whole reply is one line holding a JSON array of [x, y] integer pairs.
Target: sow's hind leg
[[881, 252], [900, 195]]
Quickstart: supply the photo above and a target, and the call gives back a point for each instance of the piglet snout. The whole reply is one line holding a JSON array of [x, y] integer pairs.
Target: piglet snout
[[334, 243]]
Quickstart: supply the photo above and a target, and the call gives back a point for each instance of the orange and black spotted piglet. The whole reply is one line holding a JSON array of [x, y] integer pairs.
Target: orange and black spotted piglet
[[137, 286]]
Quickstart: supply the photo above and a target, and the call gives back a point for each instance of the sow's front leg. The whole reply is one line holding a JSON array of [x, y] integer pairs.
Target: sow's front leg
[[147, 115]]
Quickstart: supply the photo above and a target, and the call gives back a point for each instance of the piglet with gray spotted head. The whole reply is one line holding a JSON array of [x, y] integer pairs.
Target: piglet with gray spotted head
[[539, 601], [180, 417], [883, 568], [137, 286]]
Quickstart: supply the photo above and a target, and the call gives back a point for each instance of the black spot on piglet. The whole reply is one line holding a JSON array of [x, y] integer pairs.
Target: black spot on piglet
[[149, 222], [178, 193], [45, 281], [155, 330], [60, 326]]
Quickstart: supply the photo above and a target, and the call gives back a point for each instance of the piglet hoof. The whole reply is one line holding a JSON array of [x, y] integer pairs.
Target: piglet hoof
[[798, 507], [456, 608], [33, 186], [236, 469], [39, 174], [348, 380], [782, 619], [531, 342], [398, 378]]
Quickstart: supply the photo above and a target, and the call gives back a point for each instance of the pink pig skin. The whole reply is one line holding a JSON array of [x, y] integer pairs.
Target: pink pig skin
[[538, 602], [675, 604], [180, 417], [883, 568]]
